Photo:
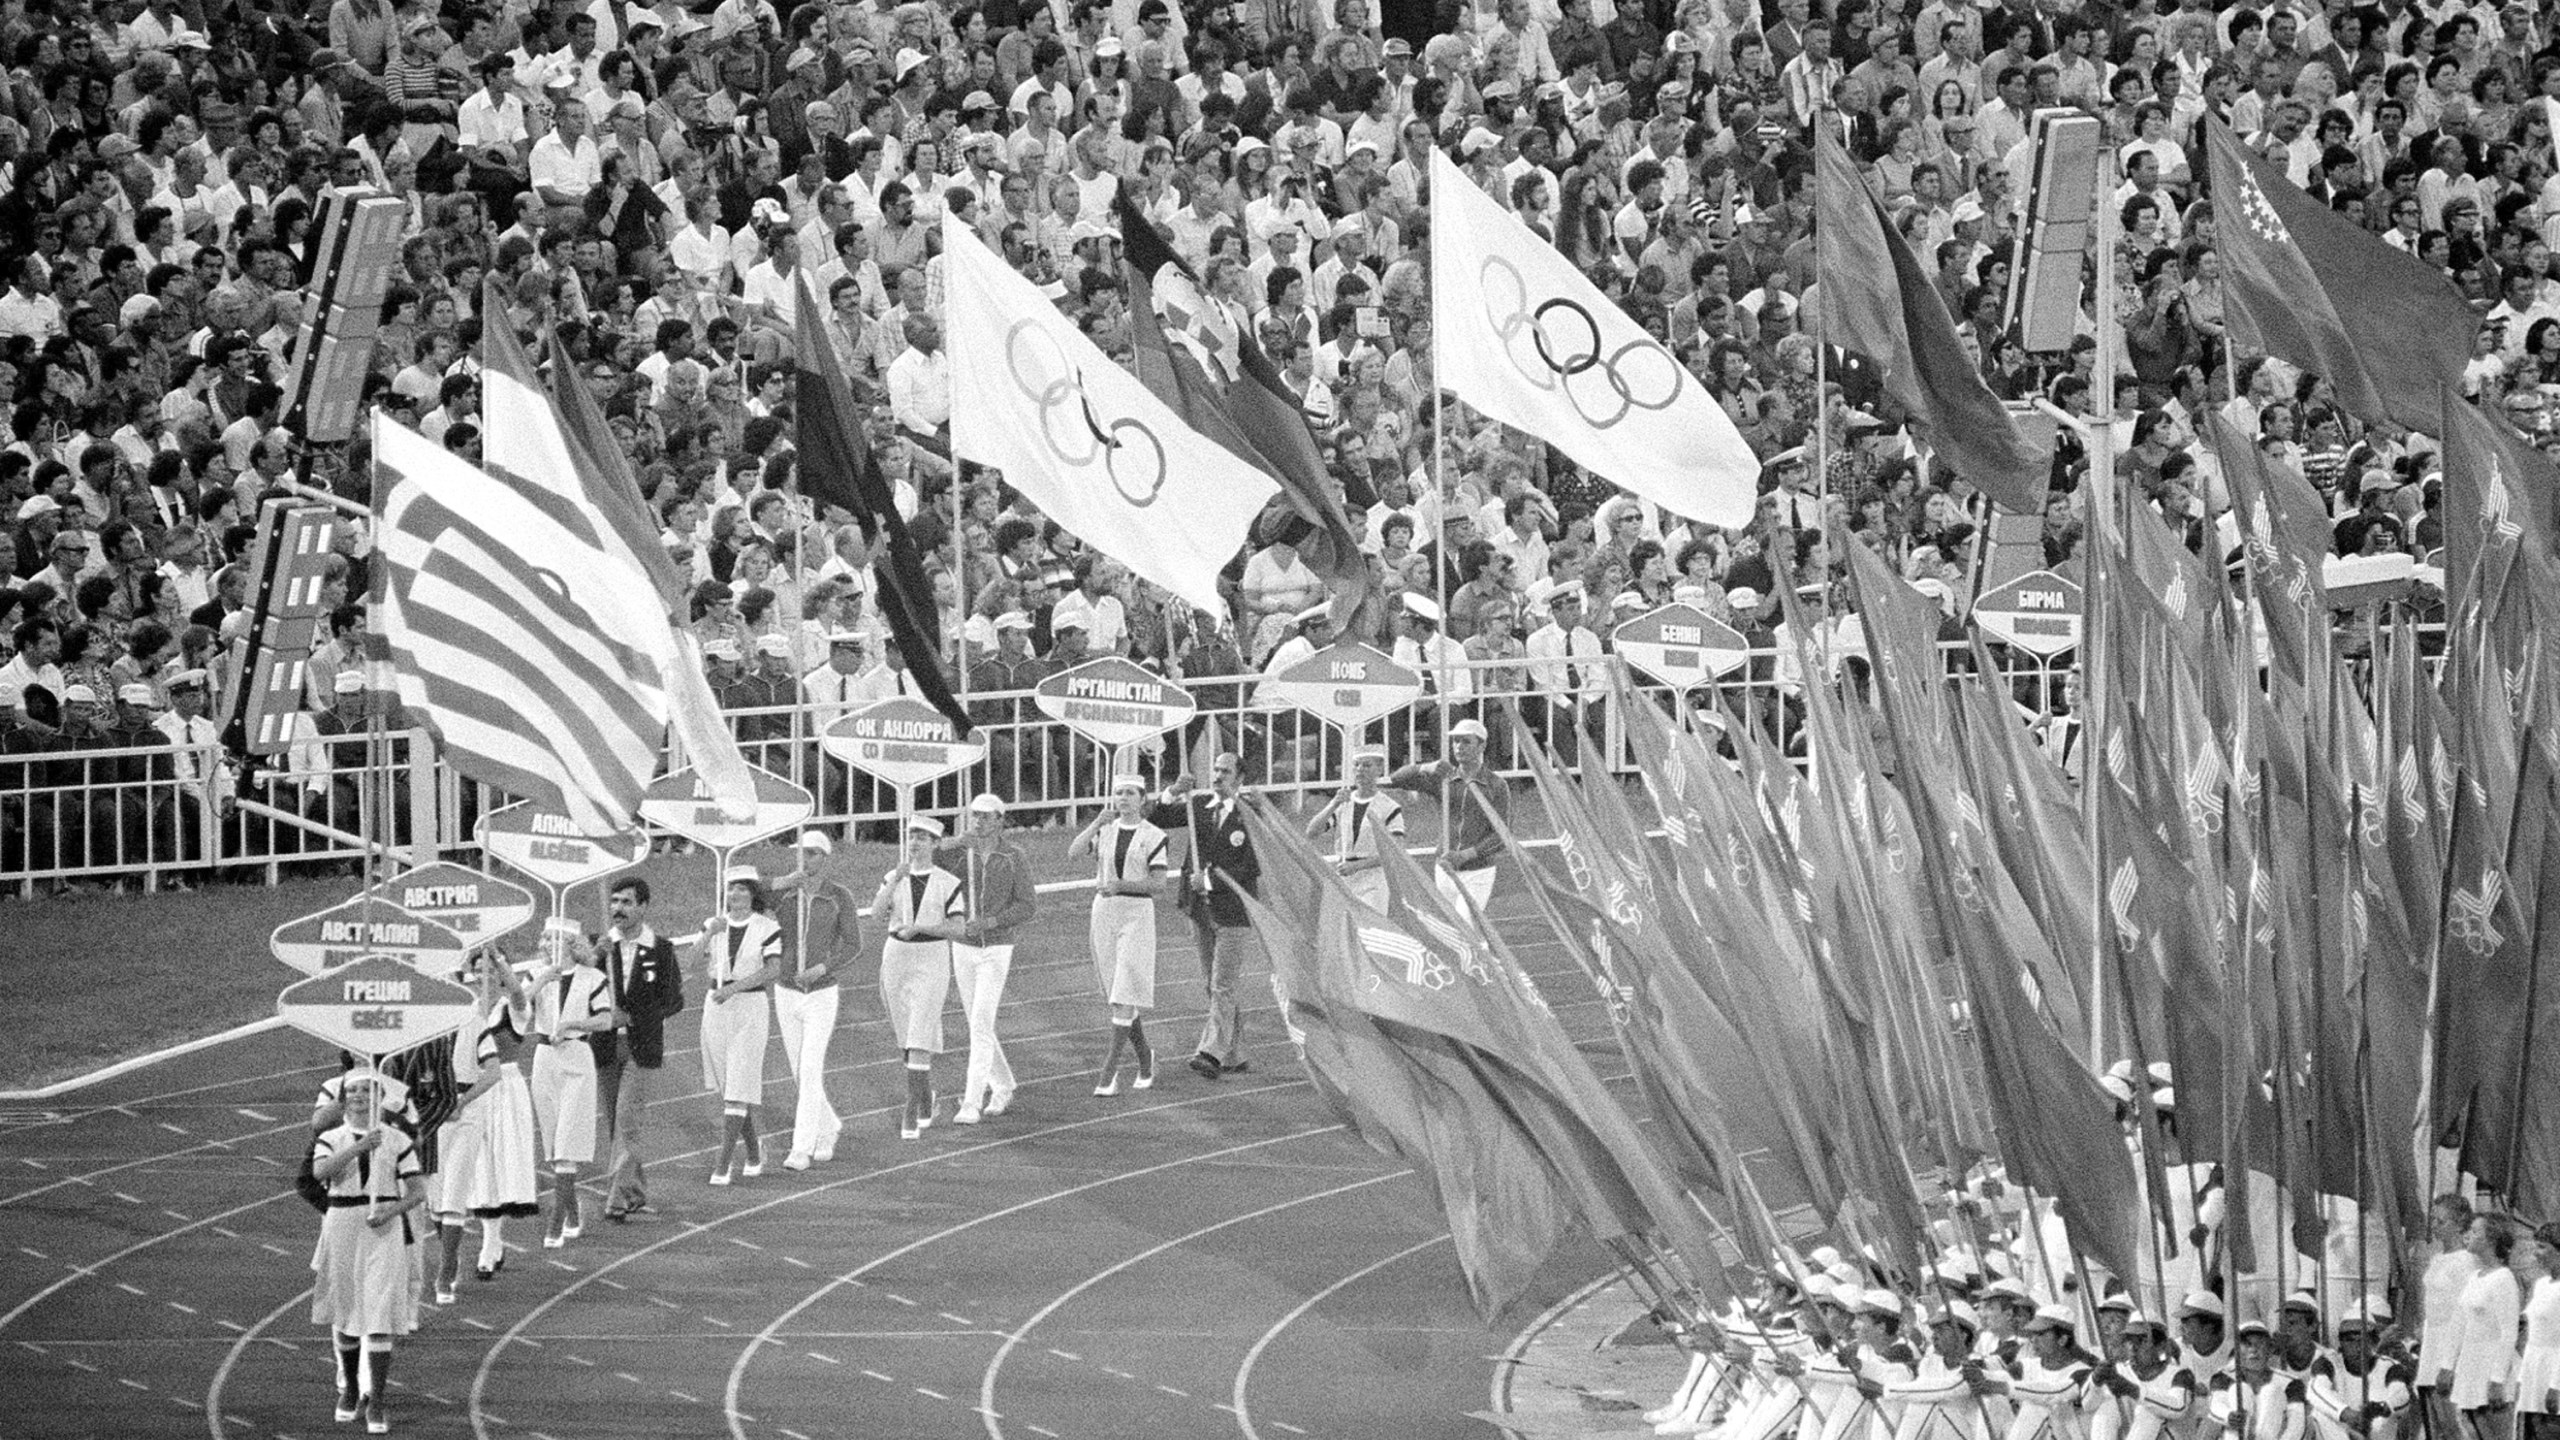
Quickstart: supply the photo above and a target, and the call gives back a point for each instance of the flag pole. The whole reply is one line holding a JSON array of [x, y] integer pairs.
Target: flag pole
[[1440, 595], [2098, 669]]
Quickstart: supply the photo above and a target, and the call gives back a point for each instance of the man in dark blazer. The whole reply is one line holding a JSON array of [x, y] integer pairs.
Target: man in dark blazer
[[641, 976], [1219, 871]]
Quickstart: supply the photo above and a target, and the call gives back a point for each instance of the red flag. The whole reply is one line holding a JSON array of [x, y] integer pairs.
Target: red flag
[[2303, 282]]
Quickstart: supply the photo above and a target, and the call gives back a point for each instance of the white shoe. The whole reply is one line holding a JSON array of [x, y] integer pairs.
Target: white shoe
[[795, 1161], [1109, 1086], [572, 1231], [553, 1242], [719, 1177], [752, 1168], [444, 1296], [827, 1152], [1146, 1080], [999, 1101], [966, 1115]]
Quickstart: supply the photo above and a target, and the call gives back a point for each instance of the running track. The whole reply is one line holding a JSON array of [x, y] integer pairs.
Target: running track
[[1204, 1259]]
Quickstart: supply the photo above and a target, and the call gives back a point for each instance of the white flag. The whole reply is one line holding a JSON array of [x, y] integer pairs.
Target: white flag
[[1519, 334], [1082, 439]]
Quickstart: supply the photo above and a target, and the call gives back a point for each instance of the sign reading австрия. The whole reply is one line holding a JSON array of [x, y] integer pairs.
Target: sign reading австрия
[[479, 908]]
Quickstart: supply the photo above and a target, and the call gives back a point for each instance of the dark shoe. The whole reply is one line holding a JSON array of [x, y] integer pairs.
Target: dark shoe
[[490, 1272], [1236, 1067], [617, 1215], [1204, 1066]]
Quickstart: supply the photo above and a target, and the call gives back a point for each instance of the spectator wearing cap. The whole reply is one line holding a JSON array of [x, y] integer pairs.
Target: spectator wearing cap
[[1017, 744], [1568, 673], [1423, 646], [202, 775], [997, 899]]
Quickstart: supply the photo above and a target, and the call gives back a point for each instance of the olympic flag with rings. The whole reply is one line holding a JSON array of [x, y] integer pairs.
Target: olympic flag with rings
[[1519, 334], [1083, 439]]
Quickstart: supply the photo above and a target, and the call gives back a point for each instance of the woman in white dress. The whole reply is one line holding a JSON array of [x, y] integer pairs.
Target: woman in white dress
[[2440, 1336], [1129, 871], [2484, 1370], [487, 1166], [922, 902], [2538, 1373], [741, 955], [362, 1288]]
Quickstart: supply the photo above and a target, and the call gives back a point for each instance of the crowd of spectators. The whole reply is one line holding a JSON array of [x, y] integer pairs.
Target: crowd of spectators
[[654, 185]]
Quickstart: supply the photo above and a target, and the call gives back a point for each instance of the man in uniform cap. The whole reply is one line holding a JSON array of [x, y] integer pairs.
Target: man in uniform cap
[[1219, 868], [2253, 1399], [204, 775], [2359, 1390], [1936, 1401], [2049, 1379], [1424, 648], [1568, 674], [2204, 1336]]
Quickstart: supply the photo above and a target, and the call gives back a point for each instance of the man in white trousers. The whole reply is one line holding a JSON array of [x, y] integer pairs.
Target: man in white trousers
[[821, 936], [995, 878]]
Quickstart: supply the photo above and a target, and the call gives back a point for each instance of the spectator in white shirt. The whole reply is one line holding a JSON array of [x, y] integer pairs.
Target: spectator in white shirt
[[920, 386], [566, 164]]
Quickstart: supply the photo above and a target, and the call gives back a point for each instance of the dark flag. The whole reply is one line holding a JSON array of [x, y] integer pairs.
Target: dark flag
[[837, 467], [1878, 300], [2303, 282], [1245, 409]]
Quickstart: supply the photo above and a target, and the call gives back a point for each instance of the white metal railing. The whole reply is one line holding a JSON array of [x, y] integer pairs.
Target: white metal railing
[[74, 816]]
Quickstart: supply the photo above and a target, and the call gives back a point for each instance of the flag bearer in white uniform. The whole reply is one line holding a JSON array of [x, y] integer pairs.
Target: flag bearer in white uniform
[[741, 954], [2049, 1382], [1362, 817], [361, 1286], [2148, 1395], [1130, 867], [1940, 1399], [923, 907], [822, 936], [2359, 1391], [571, 1000]]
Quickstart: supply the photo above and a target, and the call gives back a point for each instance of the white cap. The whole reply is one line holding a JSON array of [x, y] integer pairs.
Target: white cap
[[816, 842], [138, 693], [1880, 1302], [773, 645], [1467, 730], [723, 649], [925, 825], [2202, 1302], [38, 505], [1571, 590], [1128, 781], [1421, 607], [1369, 752], [908, 59], [743, 875], [2053, 1317], [1013, 620], [985, 804], [349, 682], [195, 679]]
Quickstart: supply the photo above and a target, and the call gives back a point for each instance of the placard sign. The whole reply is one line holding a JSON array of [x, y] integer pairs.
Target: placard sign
[[547, 846], [1112, 701], [353, 929], [479, 908], [1681, 645], [2039, 612], [901, 741], [376, 1006], [682, 803], [1347, 683]]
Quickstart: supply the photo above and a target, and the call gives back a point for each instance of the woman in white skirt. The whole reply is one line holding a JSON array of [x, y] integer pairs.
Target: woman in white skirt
[[921, 901], [486, 1169], [571, 1000], [2537, 1264], [2484, 1370], [1129, 872], [741, 955], [362, 1288]]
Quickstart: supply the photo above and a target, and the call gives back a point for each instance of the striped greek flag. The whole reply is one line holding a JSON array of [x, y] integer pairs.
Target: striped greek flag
[[516, 634]]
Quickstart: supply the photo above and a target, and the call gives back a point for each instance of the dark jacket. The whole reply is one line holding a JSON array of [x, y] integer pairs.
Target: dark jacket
[[1234, 870], [1001, 897], [649, 991]]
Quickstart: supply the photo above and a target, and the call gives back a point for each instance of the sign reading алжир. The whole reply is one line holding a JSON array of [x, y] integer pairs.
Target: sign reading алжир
[[548, 846], [680, 802]]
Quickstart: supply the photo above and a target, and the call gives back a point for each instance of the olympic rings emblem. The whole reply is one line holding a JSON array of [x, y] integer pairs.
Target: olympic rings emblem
[[1556, 345], [1129, 452]]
